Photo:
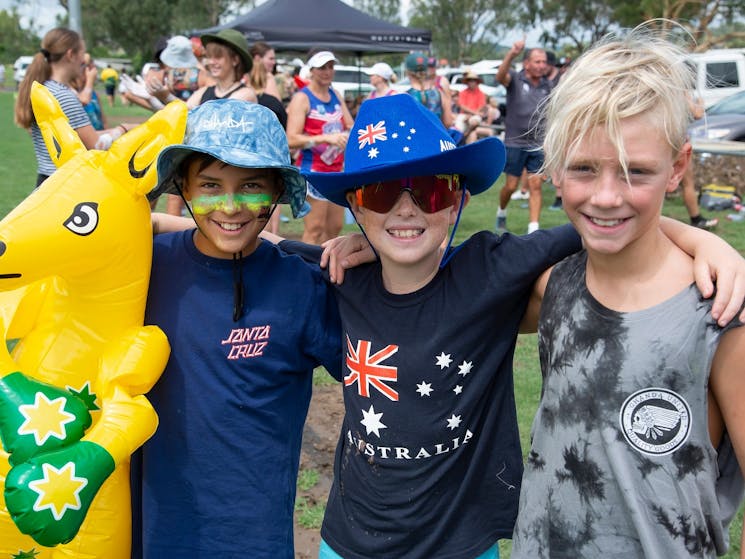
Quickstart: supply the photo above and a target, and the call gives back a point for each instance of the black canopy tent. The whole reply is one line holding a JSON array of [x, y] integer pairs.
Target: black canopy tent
[[298, 25]]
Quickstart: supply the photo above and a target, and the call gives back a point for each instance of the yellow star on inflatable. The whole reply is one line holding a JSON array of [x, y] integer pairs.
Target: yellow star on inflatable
[[44, 418], [58, 490]]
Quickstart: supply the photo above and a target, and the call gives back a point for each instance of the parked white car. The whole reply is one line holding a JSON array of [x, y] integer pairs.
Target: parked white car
[[20, 66], [719, 73], [487, 71], [351, 81]]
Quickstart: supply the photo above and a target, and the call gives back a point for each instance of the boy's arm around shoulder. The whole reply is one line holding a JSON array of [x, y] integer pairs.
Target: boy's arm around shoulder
[[529, 323], [727, 385], [714, 261], [327, 341], [167, 223], [310, 253], [555, 244]]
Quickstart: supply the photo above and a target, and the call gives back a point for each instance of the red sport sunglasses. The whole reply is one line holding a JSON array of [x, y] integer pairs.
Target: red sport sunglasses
[[431, 193]]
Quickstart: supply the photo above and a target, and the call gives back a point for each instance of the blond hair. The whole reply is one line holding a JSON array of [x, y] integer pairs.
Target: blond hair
[[641, 73]]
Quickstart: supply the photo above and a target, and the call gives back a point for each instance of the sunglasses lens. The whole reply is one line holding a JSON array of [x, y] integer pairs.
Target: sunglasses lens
[[435, 193], [379, 197], [431, 193], [259, 203]]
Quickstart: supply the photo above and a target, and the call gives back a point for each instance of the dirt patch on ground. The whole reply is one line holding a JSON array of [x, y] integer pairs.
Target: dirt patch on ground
[[319, 442]]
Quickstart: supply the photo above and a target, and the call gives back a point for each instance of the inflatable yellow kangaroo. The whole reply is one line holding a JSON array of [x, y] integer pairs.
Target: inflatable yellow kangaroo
[[74, 270]]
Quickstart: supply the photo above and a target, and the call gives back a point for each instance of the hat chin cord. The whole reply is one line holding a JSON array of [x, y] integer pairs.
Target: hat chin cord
[[364, 234], [448, 254], [238, 288]]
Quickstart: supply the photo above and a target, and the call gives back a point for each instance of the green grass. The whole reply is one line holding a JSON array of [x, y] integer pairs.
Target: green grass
[[308, 513], [306, 479], [18, 169], [321, 377], [17, 160]]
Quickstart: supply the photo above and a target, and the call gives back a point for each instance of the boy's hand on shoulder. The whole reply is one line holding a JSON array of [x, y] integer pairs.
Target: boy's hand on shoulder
[[714, 261], [345, 252], [724, 265]]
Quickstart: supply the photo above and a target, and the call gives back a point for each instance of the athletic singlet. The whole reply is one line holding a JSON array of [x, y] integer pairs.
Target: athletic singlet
[[430, 98], [323, 118]]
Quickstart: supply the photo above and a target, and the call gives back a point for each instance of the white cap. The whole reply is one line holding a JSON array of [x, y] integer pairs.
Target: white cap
[[321, 58], [381, 69]]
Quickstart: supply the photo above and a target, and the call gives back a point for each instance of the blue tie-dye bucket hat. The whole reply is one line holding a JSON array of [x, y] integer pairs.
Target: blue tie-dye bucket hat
[[239, 133]]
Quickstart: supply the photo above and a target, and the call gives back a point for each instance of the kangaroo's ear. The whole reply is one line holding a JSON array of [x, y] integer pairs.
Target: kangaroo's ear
[[62, 142], [133, 155]]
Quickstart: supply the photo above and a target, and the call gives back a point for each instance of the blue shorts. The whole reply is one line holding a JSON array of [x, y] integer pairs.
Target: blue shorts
[[325, 552], [521, 158]]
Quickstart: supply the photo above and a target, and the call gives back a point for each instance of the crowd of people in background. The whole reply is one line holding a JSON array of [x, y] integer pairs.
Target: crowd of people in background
[[225, 65]]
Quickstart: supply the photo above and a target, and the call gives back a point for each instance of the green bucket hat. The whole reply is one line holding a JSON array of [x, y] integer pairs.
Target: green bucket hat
[[233, 39]]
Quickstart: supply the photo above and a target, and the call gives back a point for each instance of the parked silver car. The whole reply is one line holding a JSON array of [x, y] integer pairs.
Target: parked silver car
[[724, 120]]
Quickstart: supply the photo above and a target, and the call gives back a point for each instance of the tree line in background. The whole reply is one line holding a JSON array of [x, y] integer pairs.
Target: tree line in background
[[462, 30]]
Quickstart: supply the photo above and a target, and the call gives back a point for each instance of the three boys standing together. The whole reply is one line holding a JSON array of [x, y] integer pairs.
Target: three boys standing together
[[633, 416]]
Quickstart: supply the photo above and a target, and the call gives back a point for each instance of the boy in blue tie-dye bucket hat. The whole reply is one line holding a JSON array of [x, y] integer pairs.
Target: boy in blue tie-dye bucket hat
[[247, 325]]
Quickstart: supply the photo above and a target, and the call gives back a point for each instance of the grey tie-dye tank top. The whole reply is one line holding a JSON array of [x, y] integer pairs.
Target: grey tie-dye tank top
[[621, 463]]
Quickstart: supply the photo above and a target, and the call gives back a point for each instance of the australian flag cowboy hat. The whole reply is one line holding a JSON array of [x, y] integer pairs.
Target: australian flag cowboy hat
[[396, 137]]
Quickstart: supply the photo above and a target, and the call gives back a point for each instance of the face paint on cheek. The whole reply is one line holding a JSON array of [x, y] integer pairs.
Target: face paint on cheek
[[259, 204]]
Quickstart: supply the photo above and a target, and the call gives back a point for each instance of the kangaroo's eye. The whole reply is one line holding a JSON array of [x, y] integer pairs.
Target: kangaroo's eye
[[84, 218]]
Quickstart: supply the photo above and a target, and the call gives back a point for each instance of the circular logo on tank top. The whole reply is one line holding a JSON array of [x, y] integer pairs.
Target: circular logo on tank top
[[655, 421]]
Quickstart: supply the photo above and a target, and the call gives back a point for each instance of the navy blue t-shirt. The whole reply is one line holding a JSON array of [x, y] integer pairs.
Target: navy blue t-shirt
[[219, 475]]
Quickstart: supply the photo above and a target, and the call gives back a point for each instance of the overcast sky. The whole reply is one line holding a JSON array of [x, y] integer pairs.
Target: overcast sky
[[43, 12]]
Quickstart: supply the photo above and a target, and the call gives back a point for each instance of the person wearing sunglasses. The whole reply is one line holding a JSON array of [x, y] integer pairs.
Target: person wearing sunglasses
[[247, 325], [428, 463]]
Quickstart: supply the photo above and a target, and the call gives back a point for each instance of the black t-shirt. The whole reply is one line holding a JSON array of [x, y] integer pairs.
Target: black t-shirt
[[274, 105], [429, 463]]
